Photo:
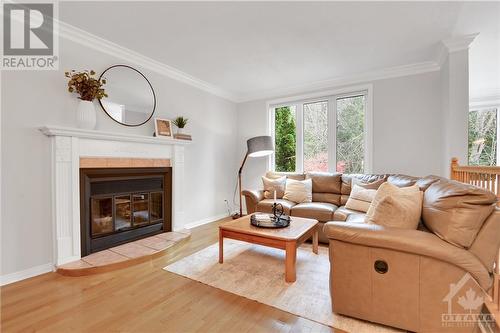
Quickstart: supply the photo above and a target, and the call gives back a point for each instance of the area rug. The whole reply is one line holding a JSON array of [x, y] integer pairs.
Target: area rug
[[257, 272]]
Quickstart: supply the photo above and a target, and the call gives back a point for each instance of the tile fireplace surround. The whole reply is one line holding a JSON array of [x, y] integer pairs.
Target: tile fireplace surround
[[70, 145]]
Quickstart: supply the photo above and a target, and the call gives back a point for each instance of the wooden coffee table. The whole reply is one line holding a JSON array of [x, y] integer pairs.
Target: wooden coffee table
[[288, 239]]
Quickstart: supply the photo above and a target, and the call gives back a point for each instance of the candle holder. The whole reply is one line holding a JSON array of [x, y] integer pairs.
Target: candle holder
[[278, 219], [277, 210]]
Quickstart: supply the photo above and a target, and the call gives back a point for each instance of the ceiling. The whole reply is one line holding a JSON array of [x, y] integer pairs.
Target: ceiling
[[247, 48], [484, 53]]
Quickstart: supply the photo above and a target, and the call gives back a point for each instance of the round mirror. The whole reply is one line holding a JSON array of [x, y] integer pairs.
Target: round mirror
[[131, 99]]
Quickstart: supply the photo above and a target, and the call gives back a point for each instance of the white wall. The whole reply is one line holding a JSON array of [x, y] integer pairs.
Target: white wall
[[407, 128], [31, 99]]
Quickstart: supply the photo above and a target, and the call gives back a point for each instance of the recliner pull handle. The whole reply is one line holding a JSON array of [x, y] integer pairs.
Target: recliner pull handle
[[381, 266]]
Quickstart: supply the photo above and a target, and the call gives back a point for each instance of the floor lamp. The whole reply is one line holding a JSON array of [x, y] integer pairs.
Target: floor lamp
[[256, 147]]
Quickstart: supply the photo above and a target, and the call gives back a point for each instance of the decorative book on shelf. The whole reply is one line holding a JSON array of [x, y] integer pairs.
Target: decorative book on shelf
[[182, 136]]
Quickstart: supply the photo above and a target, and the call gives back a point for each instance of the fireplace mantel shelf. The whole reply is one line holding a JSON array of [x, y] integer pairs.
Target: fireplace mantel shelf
[[100, 135]]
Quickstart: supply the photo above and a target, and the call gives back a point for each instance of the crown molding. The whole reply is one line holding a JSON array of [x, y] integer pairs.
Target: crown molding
[[459, 43], [92, 41], [380, 74], [87, 39]]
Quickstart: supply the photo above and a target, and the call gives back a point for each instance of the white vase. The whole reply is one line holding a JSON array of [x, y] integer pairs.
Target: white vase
[[180, 130], [86, 117]]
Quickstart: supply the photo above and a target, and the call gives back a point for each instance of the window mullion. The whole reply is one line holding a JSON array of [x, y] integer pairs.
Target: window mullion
[[299, 121], [272, 130], [332, 134], [498, 136]]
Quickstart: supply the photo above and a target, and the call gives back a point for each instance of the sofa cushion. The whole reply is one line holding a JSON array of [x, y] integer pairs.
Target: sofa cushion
[[342, 213], [266, 205], [321, 211], [327, 197], [487, 242], [274, 185], [356, 218], [424, 183], [456, 211], [325, 182], [405, 181], [298, 190], [360, 198], [346, 179], [402, 180]]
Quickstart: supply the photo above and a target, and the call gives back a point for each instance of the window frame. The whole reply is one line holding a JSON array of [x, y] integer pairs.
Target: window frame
[[490, 105], [331, 97]]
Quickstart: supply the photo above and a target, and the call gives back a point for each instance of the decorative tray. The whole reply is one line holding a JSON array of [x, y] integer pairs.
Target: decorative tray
[[269, 221]]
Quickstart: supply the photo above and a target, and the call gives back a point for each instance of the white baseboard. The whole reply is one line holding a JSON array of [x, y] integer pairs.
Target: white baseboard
[[205, 221], [27, 273]]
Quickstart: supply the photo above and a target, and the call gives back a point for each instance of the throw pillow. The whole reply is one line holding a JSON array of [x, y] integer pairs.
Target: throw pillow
[[272, 185], [298, 191], [360, 198], [396, 207]]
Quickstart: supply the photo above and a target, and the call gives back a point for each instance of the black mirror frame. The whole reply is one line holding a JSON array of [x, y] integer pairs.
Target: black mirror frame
[[152, 90]]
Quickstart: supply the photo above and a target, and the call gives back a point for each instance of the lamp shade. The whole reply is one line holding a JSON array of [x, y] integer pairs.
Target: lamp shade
[[260, 146]]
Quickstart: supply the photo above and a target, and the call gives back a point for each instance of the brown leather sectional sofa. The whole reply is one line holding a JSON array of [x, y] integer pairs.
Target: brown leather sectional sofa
[[416, 280], [330, 193]]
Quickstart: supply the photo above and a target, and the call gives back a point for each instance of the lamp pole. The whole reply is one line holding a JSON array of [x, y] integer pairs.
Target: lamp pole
[[239, 182]]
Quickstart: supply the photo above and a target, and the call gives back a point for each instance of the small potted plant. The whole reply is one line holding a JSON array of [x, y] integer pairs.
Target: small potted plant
[[180, 122], [89, 88]]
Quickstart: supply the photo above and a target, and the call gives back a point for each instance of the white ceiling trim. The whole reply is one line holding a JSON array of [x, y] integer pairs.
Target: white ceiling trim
[[485, 100], [459, 43], [87, 39], [381, 74]]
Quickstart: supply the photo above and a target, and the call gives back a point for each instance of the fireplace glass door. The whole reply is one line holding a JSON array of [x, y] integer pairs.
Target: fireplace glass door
[[156, 206], [121, 205], [141, 208], [102, 216], [123, 216]]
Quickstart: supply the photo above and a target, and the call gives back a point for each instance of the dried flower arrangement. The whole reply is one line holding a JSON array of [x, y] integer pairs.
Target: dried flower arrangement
[[86, 85]]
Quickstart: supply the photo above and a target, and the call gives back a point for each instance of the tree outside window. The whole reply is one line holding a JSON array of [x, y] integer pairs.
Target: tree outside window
[[285, 138], [483, 137]]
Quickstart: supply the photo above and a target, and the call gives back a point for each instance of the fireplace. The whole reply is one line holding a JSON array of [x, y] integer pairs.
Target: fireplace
[[119, 205]]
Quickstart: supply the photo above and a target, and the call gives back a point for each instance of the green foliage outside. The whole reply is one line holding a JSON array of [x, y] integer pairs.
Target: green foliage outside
[[285, 139], [316, 136], [350, 134], [483, 137]]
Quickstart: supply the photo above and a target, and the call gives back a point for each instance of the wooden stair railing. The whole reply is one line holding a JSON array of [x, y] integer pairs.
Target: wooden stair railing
[[487, 177]]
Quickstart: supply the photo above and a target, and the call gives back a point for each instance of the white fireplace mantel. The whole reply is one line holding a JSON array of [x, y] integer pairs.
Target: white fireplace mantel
[[69, 144]]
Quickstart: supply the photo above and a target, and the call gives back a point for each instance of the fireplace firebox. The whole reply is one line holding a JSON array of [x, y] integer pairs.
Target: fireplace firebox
[[119, 205]]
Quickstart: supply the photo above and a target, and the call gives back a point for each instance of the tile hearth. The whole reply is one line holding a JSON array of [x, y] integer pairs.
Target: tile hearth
[[124, 255]]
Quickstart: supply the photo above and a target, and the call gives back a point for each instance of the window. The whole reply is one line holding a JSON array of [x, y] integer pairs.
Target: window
[[483, 136], [327, 133], [350, 134], [284, 138], [316, 136]]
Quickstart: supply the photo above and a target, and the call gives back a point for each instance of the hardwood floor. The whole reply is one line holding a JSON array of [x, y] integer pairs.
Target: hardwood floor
[[141, 298]]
